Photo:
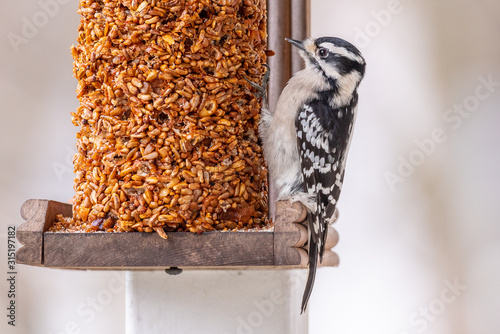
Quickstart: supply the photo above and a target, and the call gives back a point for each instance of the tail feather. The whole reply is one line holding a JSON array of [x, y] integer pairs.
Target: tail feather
[[326, 219], [313, 263], [322, 236]]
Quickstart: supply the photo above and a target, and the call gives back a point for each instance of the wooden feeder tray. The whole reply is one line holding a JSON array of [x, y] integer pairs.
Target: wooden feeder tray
[[281, 247]]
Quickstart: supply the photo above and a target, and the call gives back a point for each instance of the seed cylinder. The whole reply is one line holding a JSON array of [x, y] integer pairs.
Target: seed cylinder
[[168, 125]]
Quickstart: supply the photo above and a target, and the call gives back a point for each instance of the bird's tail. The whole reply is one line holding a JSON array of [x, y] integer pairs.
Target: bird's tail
[[313, 262]]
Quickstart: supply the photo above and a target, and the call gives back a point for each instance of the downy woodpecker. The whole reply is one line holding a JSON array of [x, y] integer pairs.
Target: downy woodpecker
[[307, 137]]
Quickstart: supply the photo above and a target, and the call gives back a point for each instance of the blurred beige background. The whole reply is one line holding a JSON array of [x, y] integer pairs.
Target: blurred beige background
[[419, 219]]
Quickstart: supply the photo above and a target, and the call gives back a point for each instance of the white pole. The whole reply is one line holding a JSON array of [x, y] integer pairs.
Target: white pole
[[215, 301]]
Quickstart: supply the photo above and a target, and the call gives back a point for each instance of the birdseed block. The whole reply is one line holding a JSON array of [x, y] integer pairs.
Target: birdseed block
[[168, 125]]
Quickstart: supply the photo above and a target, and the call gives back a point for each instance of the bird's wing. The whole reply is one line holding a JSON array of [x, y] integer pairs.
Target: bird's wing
[[321, 168], [320, 155]]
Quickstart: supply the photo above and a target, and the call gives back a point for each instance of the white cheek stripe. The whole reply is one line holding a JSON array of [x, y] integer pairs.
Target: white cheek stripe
[[343, 52]]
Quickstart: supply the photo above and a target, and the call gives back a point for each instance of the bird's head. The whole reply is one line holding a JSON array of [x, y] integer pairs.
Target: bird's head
[[337, 61]]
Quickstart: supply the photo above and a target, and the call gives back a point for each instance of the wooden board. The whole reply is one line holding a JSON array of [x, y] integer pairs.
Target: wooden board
[[278, 248], [137, 249]]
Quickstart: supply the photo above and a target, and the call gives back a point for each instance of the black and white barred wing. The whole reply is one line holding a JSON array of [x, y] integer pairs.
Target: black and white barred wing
[[321, 151]]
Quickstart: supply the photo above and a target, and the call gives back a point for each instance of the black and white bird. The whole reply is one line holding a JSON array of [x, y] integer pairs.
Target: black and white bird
[[307, 137]]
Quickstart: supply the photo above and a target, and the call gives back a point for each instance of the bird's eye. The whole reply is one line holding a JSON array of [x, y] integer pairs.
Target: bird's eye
[[323, 53]]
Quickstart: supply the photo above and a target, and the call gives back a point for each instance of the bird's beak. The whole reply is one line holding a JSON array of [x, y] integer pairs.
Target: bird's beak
[[296, 43]]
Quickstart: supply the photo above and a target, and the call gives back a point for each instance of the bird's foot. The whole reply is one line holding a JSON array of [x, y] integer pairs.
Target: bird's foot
[[261, 89]]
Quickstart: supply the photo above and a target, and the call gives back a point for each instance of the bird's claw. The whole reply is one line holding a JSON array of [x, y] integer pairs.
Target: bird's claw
[[261, 89]]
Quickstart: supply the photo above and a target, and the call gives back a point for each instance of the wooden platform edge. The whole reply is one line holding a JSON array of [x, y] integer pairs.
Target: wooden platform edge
[[278, 249], [38, 215]]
